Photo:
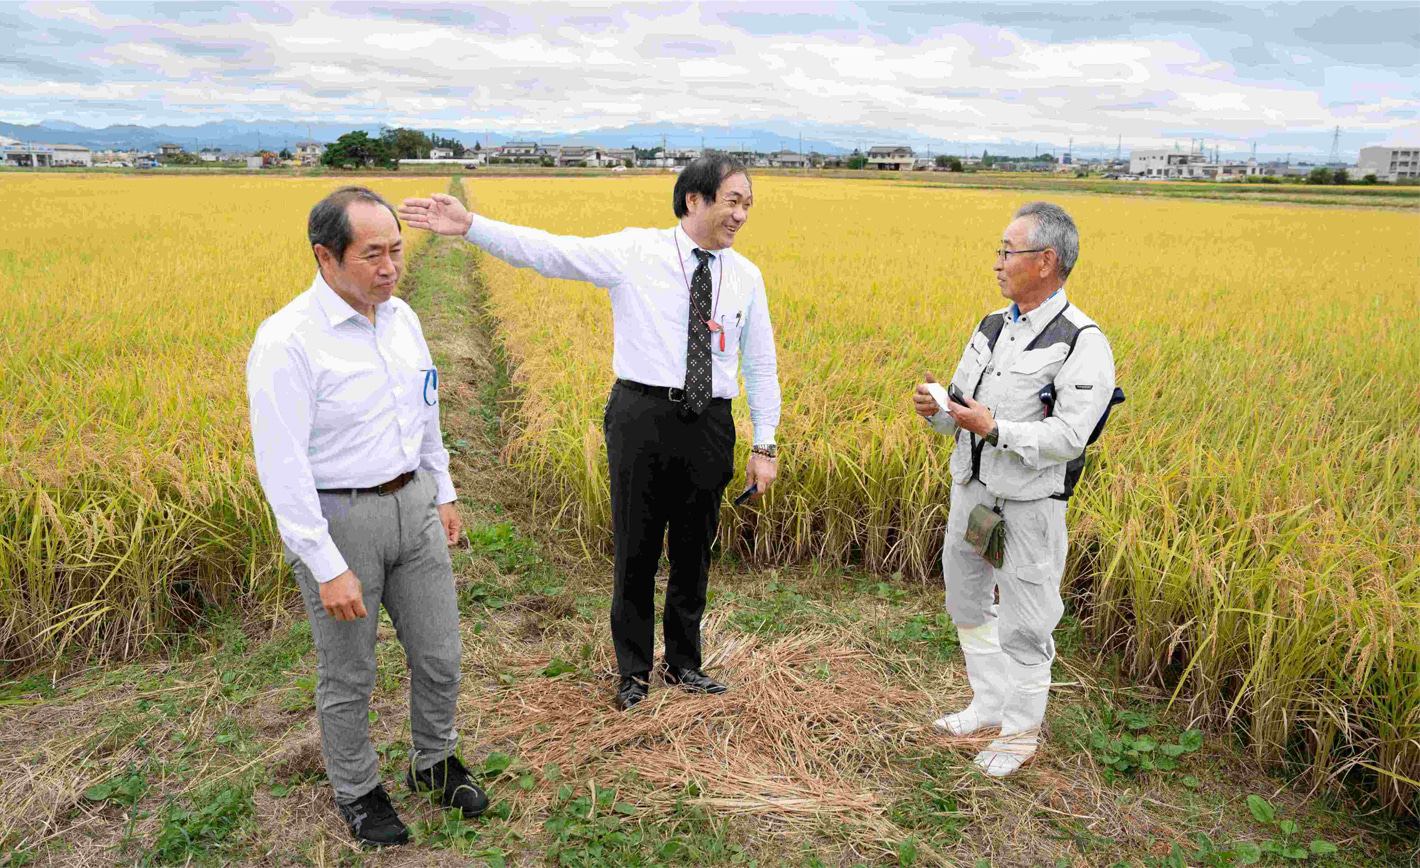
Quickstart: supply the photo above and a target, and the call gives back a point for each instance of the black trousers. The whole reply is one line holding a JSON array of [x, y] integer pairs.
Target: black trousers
[[667, 471]]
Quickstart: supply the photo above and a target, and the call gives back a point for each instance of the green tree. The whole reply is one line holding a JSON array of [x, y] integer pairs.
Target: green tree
[[406, 144], [954, 164], [1340, 176], [285, 154], [1319, 175], [1370, 178], [356, 149]]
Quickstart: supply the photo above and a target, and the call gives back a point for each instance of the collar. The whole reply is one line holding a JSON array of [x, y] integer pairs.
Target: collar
[[688, 247], [336, 309], [1047, 310]]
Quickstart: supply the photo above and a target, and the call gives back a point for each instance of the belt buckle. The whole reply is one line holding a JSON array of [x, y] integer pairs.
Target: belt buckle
[[671, 394]]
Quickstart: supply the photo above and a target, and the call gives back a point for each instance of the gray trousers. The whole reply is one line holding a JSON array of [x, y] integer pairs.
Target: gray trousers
[[395, 546], [1029, 577]]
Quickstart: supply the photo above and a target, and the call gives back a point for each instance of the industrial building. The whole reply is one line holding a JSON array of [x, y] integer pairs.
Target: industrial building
[[39, 154], [1390, 164], [1163, 163]]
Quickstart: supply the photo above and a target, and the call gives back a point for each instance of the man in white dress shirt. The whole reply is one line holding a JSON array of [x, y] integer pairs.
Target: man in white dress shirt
[[687, 310], [345, 423], [1019, 457]]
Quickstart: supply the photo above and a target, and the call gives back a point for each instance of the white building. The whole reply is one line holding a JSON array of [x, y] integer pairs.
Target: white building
[[1163, 163], [1390, 164], [308, 151], [891, 158], [441, 153], [38, 154]]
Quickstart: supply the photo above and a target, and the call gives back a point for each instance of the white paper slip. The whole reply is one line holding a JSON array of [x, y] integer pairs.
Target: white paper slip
[[938, 394]]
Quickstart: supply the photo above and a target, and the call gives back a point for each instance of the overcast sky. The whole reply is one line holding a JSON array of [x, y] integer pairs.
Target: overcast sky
[[1282, 74]]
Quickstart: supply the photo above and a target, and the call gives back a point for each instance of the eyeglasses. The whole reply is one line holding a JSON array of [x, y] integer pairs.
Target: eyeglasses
[[1003, 253]]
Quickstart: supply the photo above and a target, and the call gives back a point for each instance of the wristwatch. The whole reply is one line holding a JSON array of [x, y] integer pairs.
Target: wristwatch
[[768, 450], [994, 436]]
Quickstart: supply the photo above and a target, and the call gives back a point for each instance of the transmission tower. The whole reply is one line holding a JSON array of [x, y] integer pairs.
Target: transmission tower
[[1335, 146], [1118, 148]]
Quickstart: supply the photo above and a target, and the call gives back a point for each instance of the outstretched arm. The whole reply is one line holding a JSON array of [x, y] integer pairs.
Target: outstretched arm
[[601, 260]]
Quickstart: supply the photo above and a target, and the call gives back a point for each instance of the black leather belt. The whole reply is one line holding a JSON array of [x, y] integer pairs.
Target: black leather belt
[[670, 393], [382, 489]]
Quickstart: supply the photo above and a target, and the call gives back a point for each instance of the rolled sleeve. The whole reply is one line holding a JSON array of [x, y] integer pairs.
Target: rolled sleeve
[[760, 364], [281, 401]]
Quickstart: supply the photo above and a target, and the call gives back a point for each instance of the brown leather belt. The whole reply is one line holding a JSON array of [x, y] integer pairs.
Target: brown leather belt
[[382, 489]]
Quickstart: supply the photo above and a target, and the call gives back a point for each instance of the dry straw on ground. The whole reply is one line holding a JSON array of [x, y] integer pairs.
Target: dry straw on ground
[[1246, 528]]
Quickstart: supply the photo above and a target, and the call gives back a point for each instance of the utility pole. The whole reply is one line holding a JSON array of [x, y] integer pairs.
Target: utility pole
[[1119, 147], [1335, 146]]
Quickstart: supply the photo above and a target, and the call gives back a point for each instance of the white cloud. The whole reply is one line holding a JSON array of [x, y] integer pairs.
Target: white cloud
[[852, 68]]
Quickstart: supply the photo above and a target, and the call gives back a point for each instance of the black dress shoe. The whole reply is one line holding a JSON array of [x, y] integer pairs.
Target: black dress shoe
[[450, 780], [632, 690], [372, 820], [694, 681]]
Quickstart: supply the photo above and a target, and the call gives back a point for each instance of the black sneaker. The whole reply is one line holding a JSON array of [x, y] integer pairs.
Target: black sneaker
[[450, 780], [373, 821]]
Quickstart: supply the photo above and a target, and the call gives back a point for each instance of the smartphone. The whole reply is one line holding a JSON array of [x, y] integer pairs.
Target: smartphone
[[955, 394], [744, 495]]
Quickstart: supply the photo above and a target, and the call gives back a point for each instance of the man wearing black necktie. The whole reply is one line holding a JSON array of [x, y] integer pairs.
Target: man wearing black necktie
[[687, 311]]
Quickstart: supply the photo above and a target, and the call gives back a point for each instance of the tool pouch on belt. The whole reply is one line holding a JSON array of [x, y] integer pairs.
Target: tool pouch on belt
[[986, 533]]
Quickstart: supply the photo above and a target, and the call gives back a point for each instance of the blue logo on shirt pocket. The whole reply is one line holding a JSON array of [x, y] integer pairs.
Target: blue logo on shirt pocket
[[431, 386]]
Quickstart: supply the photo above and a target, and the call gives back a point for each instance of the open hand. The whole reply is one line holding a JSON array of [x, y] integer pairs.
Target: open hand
[[440, 213]]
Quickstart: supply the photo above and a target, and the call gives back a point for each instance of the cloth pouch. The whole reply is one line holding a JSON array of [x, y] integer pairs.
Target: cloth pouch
[[986, 534]]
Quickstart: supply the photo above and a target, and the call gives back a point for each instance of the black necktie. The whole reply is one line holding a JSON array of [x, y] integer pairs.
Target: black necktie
[[697, 343]]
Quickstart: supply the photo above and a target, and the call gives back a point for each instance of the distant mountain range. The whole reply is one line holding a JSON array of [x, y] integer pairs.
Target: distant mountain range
[[274, 135]]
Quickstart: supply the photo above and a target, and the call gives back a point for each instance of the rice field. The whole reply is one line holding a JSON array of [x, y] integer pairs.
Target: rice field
[[1245, 532], [128, 496], [1246, 529]]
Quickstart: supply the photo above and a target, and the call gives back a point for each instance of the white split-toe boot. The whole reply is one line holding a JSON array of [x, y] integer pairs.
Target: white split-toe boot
[[1021, 719], [990, 683]]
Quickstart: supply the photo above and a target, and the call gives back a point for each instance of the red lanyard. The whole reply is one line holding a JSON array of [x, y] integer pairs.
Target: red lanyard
[[720, 264]]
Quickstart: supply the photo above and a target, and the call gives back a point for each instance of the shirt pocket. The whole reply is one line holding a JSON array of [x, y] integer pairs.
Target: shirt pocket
[[726, 341], [968, 373], [1031, 372]]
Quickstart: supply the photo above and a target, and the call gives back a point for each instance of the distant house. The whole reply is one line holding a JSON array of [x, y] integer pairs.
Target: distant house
[[441, 154], [892, 158], [788, 160], [170, 150], [308, 152], [618, 156], [576, 155]]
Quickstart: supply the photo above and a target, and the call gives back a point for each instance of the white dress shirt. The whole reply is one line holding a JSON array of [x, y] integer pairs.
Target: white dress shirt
[[1032, 450], [649, 285], [339, 403]]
